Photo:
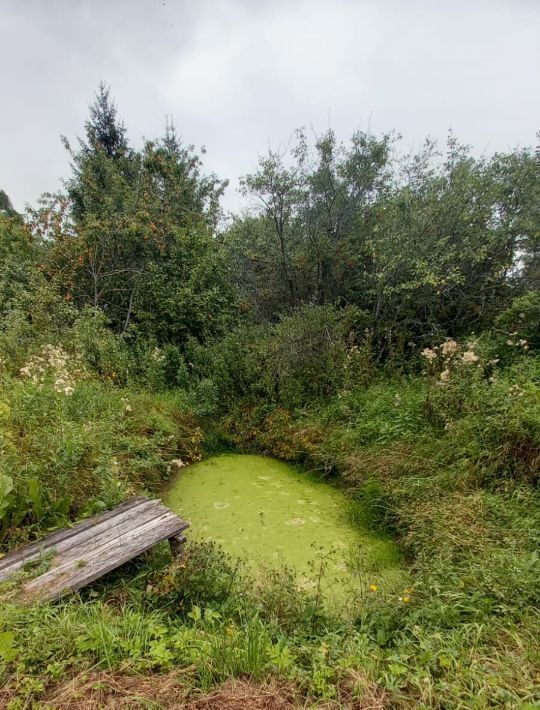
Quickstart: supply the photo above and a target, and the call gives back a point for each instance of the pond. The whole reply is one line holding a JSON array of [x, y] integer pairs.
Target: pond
[[271, 513]]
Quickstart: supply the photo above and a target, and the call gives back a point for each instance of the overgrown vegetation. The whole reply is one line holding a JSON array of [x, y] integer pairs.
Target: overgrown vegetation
[[376, 319]]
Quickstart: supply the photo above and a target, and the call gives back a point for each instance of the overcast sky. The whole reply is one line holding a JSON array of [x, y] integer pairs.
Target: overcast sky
[[240, 74]]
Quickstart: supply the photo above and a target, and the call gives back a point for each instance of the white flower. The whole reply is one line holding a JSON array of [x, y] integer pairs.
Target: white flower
[[445, 375], [449, 347], [178, 462], [429, 354], [469, 357], [53, 361], [157, 355]]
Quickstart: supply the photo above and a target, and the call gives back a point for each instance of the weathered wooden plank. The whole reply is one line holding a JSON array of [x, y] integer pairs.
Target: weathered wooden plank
[[35, 549], [87, 530], [90, 540], [76, 574], [95, 546]]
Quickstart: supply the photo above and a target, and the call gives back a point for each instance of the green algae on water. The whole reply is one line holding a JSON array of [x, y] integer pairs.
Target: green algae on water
[[272, 514]]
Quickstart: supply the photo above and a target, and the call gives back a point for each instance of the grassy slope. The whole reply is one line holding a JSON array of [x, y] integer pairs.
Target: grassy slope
[[450, 472]]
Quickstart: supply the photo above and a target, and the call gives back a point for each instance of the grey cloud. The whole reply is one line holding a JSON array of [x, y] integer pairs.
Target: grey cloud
[[239, 74]]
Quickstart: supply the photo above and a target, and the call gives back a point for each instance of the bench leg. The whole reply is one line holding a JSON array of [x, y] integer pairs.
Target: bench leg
[[177, 545]]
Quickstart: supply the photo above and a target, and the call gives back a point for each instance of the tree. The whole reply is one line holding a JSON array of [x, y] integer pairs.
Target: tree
[[132, 228], [429, 244], [312, 216], [6, 207]]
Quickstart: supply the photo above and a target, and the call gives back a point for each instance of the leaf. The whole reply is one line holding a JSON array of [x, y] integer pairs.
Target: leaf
[[6, 486], [8, 649], [195, 613], [34, 493]]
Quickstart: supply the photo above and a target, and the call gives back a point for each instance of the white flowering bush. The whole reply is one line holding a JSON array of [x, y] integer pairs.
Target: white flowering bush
[[490, 413], [453, 369], [53, 364], [517, 329], [443, 361]]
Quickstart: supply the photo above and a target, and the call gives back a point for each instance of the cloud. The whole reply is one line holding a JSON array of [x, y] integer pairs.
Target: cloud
[[239, 74]]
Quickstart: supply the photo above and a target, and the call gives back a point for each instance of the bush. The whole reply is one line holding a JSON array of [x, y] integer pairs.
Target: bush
[[67, 454], [204, 576], [517, 329]]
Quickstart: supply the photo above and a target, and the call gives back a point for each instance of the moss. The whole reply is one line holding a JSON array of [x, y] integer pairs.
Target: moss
[[272, 513]]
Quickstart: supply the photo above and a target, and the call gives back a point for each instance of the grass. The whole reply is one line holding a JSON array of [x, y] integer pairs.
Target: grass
[[448, 471]]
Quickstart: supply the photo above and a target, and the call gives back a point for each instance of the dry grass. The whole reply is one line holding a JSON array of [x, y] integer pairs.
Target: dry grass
[[240, 695], [173, 691], [90, 691], [100, 690]]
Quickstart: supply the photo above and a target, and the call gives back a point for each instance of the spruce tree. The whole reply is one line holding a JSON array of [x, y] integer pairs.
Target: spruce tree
[[5, 205], [104, 130]]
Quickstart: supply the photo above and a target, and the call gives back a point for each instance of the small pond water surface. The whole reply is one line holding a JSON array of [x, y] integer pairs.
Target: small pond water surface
[[271, 514]]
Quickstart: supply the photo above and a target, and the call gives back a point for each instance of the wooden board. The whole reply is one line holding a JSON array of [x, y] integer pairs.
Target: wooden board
[[79, 555]]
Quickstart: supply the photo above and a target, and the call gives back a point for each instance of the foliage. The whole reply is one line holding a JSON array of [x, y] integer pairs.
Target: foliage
[[427, 246], [374, 318], [518, 327], [5, 205], [70, 453], [132, 234]]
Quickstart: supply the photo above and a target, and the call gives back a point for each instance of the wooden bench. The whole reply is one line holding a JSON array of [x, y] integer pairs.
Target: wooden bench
[[74, 557]]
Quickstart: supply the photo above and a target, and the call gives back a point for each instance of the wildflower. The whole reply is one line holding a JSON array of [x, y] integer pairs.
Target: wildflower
[[373, 587], [509, 342], [406, 599], [449, 348], [397, 400], [469, 357], [53, 360], [178, 462], [429, 354], [157, 355], [445, 375]]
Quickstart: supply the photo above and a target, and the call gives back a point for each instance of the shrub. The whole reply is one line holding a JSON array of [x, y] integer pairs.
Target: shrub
[[517, 329], [204, 576]]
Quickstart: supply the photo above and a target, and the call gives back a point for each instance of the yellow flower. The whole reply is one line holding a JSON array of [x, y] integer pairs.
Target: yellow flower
[[406, 599], [373, 587]]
